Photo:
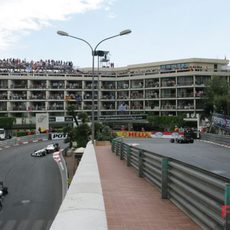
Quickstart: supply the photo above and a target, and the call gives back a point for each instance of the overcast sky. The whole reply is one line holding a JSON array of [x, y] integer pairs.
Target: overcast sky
[[161, 29]]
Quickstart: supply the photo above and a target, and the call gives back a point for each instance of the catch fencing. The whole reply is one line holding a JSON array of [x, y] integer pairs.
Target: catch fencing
[[203, 195]]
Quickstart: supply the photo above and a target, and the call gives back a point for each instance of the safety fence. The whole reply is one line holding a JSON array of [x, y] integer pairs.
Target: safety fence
[[203, 195]]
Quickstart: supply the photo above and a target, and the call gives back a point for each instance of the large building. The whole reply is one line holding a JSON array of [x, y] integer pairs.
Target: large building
[[159, 88]]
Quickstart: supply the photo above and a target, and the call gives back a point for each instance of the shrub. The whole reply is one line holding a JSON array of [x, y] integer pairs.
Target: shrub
[[104, 133]]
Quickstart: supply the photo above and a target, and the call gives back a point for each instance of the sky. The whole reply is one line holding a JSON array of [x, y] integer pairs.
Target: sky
[[162, 30]]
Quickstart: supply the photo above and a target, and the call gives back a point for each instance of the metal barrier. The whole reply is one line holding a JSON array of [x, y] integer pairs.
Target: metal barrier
[[220, 139], [203, 195]]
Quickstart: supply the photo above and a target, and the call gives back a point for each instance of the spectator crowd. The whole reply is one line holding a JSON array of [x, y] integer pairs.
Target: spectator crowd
[[18, 65]]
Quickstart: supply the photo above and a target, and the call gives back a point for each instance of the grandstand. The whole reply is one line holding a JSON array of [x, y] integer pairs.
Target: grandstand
[[159, 88]]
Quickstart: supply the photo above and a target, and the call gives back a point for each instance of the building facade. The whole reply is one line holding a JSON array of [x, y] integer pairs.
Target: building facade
[[160, 88]]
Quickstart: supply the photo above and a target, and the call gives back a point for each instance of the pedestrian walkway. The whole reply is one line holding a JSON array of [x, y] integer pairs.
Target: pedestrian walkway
[[131, 202]]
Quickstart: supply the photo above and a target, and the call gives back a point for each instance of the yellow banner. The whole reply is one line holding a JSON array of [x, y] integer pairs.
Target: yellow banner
[[133, 134]]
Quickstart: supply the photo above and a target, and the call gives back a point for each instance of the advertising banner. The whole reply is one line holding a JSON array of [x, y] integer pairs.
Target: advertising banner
[[221, 121], [58, 136], [42, 122], [149, 134]]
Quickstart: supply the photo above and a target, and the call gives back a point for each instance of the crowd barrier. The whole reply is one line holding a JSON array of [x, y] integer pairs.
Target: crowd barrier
[[203, 195]]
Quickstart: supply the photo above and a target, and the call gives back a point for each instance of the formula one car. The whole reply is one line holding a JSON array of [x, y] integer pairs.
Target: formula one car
[[52, 148], [186, 138], [39, 153], [3, 192], [43, 152]]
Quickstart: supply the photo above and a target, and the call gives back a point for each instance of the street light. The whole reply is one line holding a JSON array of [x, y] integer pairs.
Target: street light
[[93, 52], [99, 53]]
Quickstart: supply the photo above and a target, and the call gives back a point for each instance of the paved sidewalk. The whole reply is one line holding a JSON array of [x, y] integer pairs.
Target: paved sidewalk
[[131, 202]]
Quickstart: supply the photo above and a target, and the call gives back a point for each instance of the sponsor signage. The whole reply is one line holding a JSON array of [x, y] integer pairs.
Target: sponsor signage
[[42, 122], [225, 209], [134, 134], [221, 121], [149, 134], [68, 119], [52, 119], [58, 136], [123, 117], [60, 119]]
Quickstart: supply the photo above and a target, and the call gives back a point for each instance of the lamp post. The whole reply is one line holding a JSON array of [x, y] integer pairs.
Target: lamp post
[[93, 52], [99, 53]]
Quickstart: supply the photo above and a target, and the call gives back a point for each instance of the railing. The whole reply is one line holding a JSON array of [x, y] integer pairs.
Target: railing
[[25, 139], [220, 139], [203, 195]]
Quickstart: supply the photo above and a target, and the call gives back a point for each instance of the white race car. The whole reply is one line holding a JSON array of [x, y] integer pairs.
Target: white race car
[[39, 153], [52, 148]]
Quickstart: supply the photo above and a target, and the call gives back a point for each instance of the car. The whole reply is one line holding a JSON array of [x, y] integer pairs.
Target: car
[[3, 193], [3, 189], [182, 139], [186, 138], [39, 153], [52, 148]]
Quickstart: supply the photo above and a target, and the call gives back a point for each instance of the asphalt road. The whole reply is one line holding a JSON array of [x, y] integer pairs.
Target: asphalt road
[[211, 157], [35, 189]]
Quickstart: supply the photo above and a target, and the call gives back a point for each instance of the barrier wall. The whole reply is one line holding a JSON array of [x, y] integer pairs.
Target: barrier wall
[[58, 157], [83, 206]]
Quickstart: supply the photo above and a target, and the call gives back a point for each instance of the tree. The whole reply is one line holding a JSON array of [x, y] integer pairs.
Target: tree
[[217, 96], [71, 110], [103, 132], [81, 133], [83, 116], [166, 122], [7, 122]]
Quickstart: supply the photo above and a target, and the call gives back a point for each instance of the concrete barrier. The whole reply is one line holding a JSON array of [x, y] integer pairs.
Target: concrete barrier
[[83, 207], [58, 157]]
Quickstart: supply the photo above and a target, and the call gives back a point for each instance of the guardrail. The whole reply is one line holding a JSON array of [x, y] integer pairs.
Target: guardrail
[[25, 139], [203, 195], [220, 139]]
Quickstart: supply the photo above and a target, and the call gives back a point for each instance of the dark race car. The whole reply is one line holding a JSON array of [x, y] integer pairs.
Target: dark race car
[[186, 138]]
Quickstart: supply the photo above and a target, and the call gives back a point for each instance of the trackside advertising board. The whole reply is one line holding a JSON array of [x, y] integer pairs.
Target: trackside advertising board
[[42, 122], [221, 121], [58, 136], [149, 134]]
